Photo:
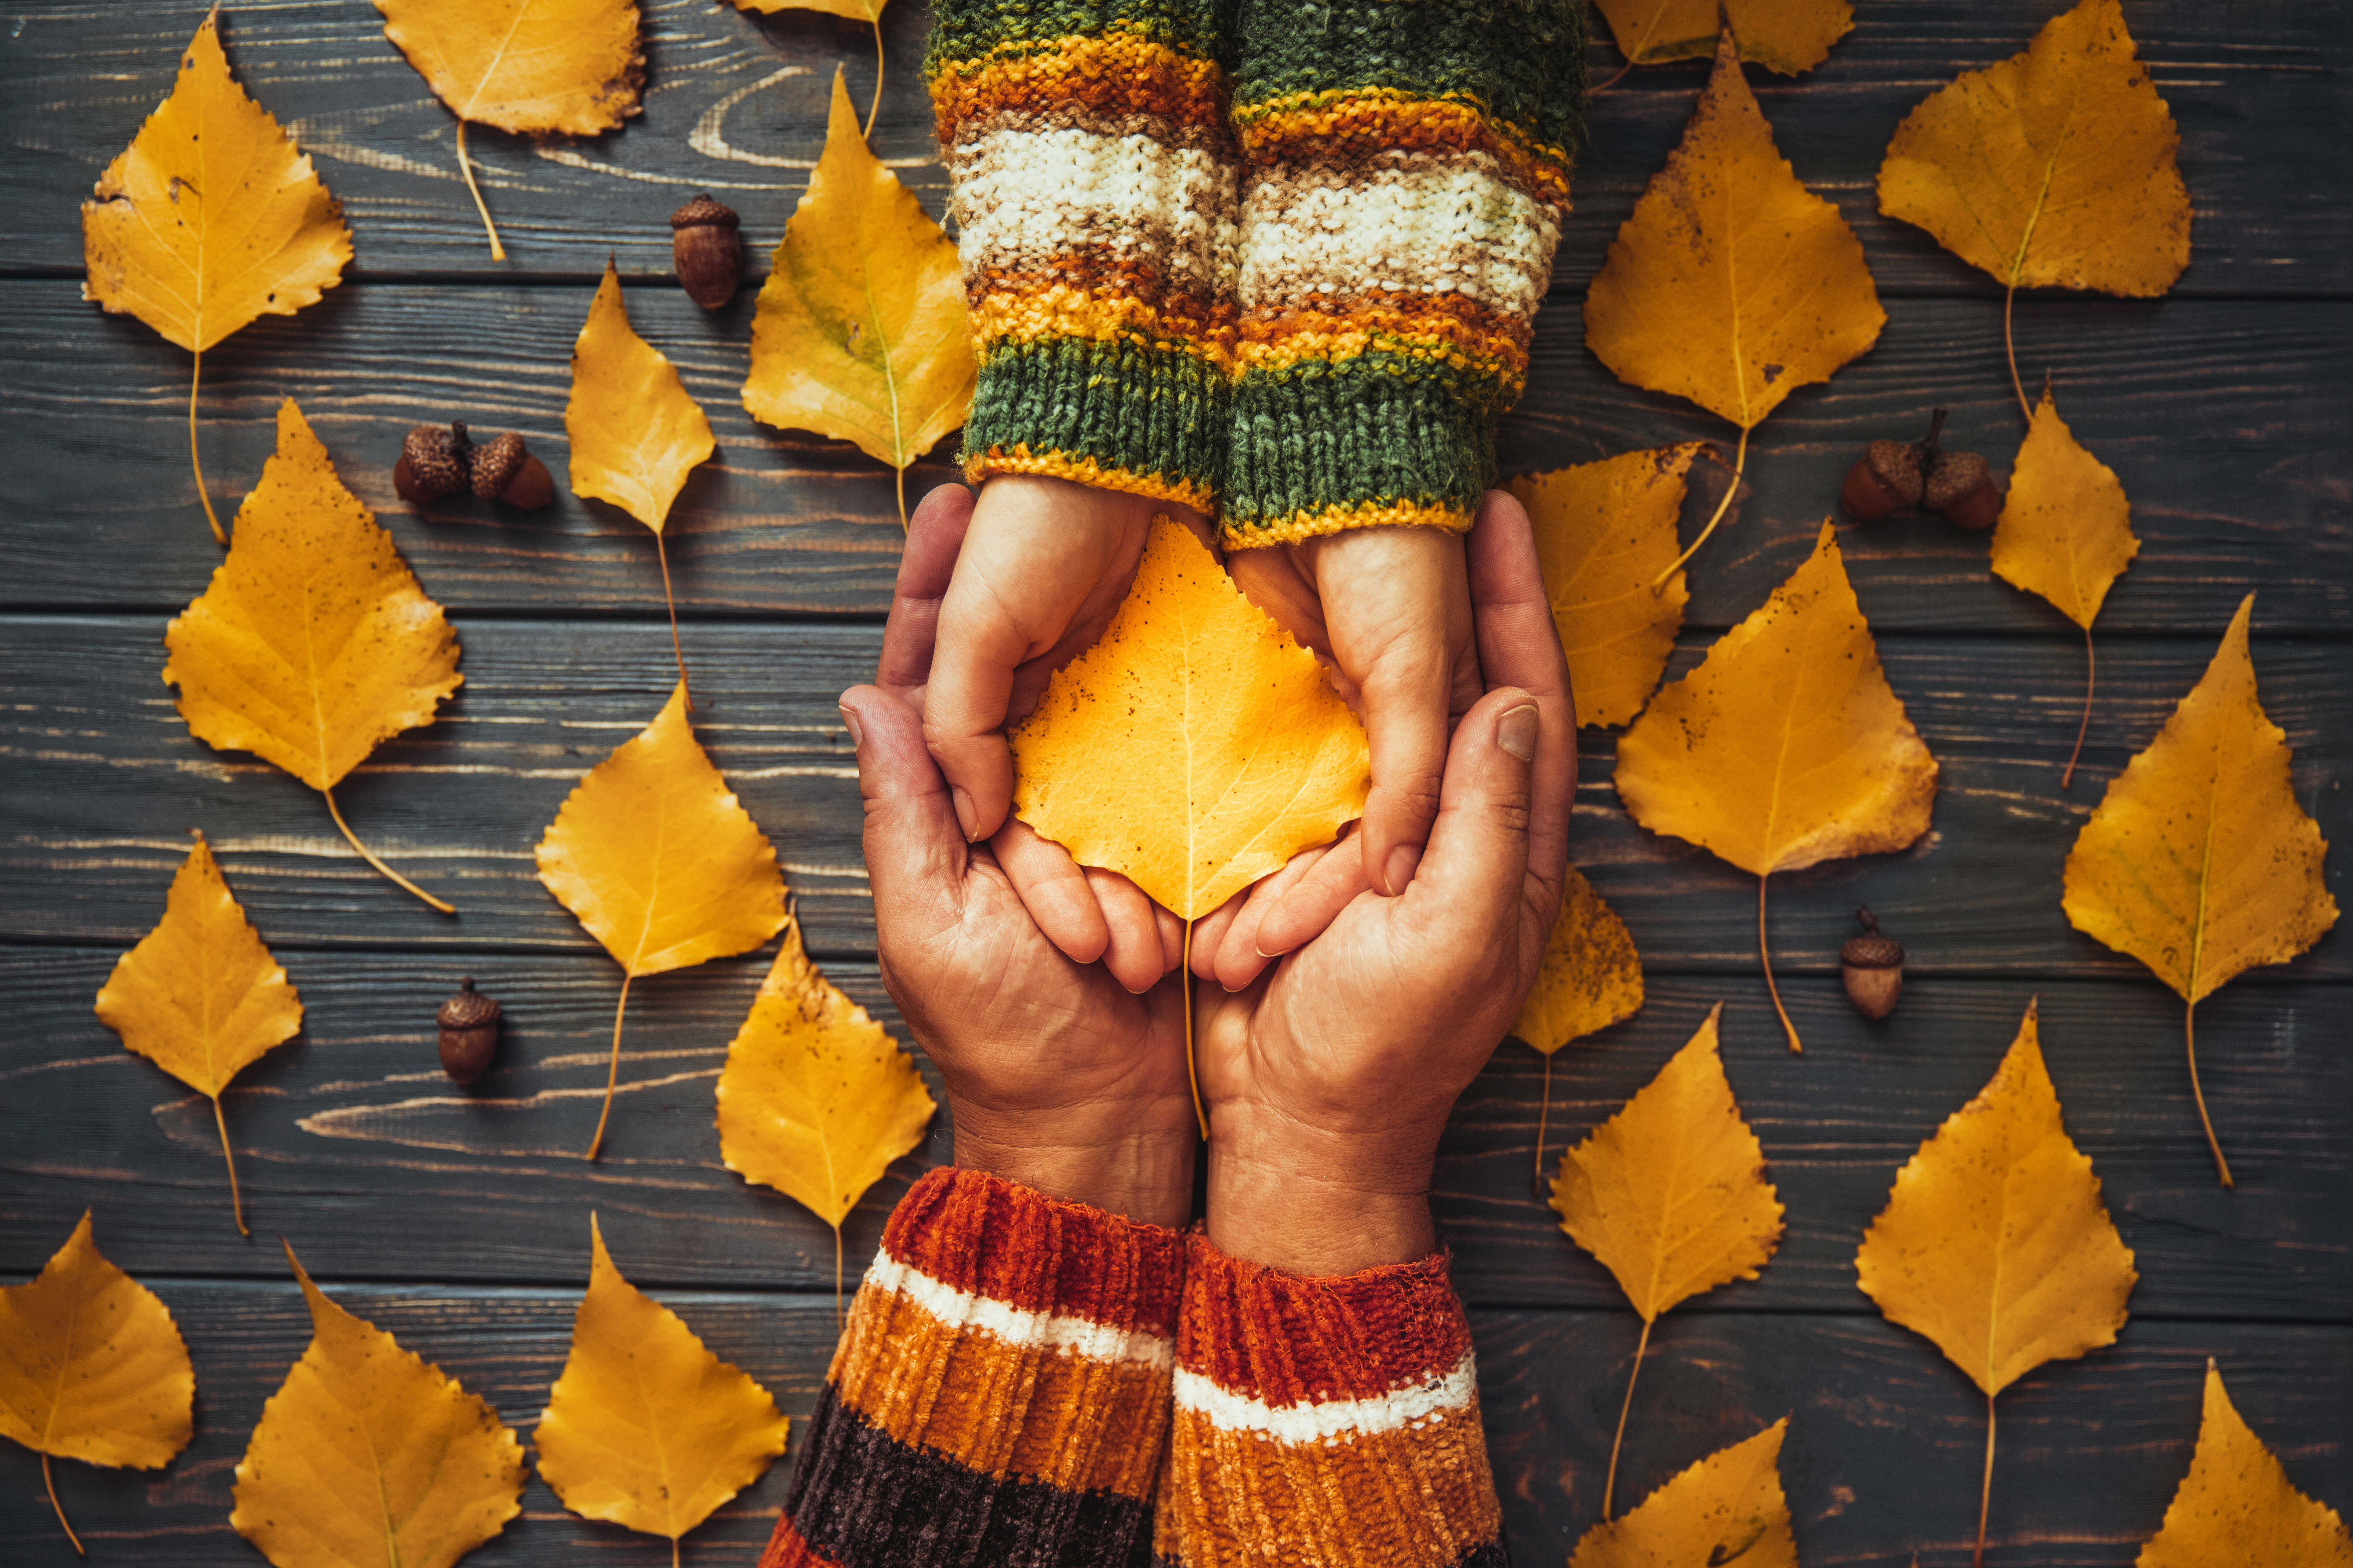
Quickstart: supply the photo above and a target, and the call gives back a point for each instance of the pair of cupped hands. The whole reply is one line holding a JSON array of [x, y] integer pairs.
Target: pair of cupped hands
[[1343, 1003]]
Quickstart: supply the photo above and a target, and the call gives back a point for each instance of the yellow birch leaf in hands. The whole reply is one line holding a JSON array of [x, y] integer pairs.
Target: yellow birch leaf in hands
[[1669, 1195], [367, 1454], [1995, 1243], [92, 1367], [314, 641], [658, 861], [646, 1428], [1732, 284], [635, 433], [1786, 747], [1604, 532], [1784, 36], [539, 67], [1727, 1508], [2236, 1505], [1194, 749], [200, 997], [861, 331], [208, 219], [2200, 862], [816, 1099]]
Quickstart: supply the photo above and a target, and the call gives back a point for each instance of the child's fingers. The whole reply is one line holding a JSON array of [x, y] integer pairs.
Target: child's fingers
[[1134, 955], [1299, 914], [1053, 888], [934, 534]]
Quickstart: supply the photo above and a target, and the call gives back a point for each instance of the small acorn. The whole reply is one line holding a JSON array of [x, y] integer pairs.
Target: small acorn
[[505, 471], [1961, 486], [707, 250], [434, 462], [1891, 476], [1872, 967], [470, 1033]]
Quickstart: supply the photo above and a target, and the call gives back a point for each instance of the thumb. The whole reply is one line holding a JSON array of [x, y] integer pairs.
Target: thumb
[[1478, 861], [912, 837]]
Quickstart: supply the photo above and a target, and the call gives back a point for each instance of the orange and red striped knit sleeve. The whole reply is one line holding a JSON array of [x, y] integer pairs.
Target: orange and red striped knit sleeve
[[1001, 1390]]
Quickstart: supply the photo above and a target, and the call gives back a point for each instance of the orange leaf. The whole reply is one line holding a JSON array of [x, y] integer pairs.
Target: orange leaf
[[2237, 1505], [2066, 529], [1727, 1508], [200, 997], [1196, 747], [1784, 36]]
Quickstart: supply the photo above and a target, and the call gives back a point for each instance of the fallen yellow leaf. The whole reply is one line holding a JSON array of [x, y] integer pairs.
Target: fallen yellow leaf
[[200, 997], [1727, 1508], [92, 1367], [1784, 36], [208, 219], [646, 1428], [1669, 1195], [2200, 862], [1786, 747], [314, 641], [1196, 747], [1605, 532], [367, 1454], [572, 66], [1591, 977], [635, 433], [2237, 1505], [861, 331], [658, 861], [1995, 1243], [1732, 284], [816, 1099]]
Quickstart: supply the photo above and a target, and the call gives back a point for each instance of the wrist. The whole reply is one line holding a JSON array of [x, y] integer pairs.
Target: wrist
[[1143, 1174], [1314, 1201]]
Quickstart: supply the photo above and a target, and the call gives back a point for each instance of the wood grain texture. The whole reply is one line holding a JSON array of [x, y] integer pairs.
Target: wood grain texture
[[2226, 422]]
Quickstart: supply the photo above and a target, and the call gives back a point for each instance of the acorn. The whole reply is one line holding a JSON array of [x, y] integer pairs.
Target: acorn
[[434, 462], [1872, 967], [470, 1033], [505, 471], [1891, 476], [707, 251], [1961, 486]]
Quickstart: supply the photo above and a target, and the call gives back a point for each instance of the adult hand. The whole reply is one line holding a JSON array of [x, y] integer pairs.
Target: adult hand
[[1329, 1078]]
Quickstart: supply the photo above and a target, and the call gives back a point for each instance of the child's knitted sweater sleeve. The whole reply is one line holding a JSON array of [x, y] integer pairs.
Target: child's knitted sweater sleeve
[[1001, 1392]]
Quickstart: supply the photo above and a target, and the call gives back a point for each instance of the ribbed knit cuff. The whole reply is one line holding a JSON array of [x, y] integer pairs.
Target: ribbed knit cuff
[[1150, 421], [1000, 1393], [1325, 1423]]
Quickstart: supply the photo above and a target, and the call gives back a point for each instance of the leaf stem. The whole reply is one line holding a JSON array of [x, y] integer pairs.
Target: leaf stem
[[2190, 1031], [2091, 674], [1544, 1111], [236, 1203], [1766, 954], [875, 106], [466, 167], [1593, 92], [1609, 1486], [1192, 1071], [612, 1072], [1739, 463], [369, 856], [1985, 1492], [220, 537], [662, 553], [674, 1552], [2010, 349], [901, 475], [54, 1503], [838, 1319]]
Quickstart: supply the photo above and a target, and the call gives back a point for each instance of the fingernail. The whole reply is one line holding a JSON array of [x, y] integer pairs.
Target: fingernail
[[849, 723], [964, 811], [1400, 866], [1516, 731]]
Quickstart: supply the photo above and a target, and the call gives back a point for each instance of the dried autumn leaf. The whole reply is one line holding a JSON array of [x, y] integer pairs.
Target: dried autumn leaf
[[635, 433], [208, 219], [1732, 284], [1786, 747], [314, 641], [1728, 1507], [1995, 1243], [368, 1453], [2200, 862], [200, 997], [1196, 747], [861, 331], [538, 67], [2056, 166], [2237, 1505], [1605, 532], [1784, 36], [816, 1099], [92, 1367], [1669, 1195], [646, 1428], [1591, 977], [658, 861]]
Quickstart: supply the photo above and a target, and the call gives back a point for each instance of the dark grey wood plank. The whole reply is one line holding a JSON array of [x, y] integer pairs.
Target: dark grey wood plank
[[104, 783], [482, 1185], [2228, 422], [1882, 1458], [736, 104]]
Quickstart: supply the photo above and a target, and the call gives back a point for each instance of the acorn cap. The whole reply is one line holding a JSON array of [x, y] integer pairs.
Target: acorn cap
[[469, 1009], [1871, 951], [1956, 475], [1896, 465], [495, 464], [433, 462], [703, 210]]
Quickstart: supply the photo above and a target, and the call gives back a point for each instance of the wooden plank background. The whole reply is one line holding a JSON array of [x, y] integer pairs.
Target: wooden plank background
[[456, 1218]]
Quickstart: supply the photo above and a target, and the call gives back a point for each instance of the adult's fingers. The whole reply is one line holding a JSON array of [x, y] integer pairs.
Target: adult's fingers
[[914, 850], [1519, 646], [1054, 891], [934, 534], [1471, 881]]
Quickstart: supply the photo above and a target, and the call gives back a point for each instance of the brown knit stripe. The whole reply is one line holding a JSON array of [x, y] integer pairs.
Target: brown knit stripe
[[1348, 123], [1118, 79], [1283, 1340], [1090, 471], [1447, 326], [787, 1550], [1113, 302], [975, 1232]]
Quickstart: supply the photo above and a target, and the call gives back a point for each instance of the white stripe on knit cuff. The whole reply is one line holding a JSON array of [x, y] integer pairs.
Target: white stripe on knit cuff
[[1322, 1422], [1023, 197], [1016, 1326], [1433, 227]]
